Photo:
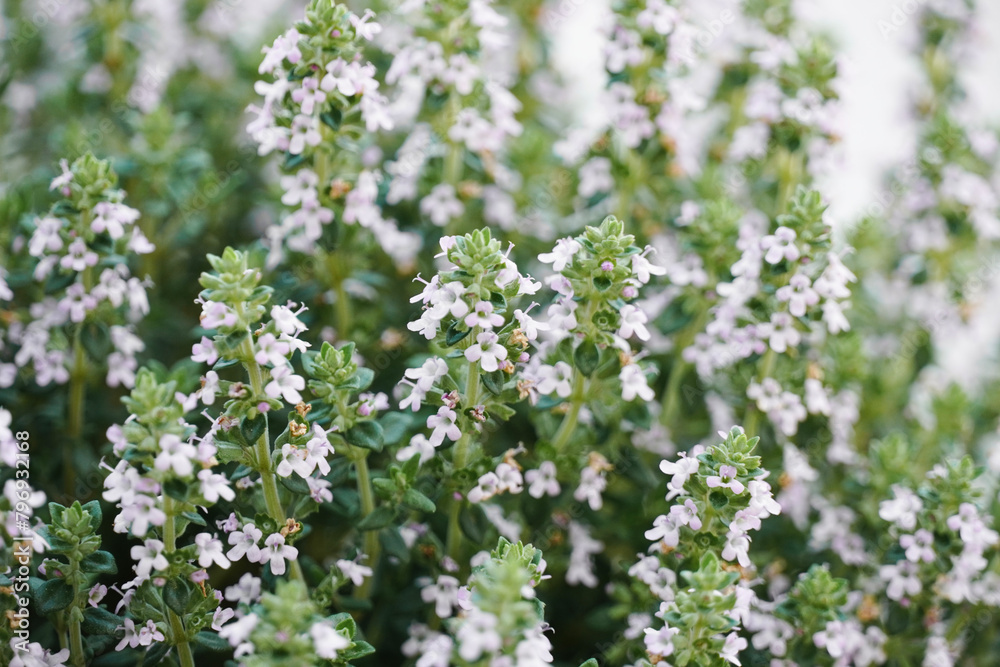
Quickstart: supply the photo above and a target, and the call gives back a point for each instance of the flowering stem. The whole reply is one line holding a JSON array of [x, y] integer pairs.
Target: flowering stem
[[367, 507], [176, 625], [268, 481], [461, 459], [568, 424]]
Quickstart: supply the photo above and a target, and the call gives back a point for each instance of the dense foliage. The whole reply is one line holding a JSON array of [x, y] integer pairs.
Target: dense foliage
[[418, 363]]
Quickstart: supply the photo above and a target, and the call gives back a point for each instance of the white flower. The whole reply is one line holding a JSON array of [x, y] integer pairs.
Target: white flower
[[542, 482], [633, 321], [176, 455], [441, 204], [149, 557], [354, 571], [634, 383], [487, 351], [286, 384], [444, 595], [443, 424], [326, 640], [562, 254]]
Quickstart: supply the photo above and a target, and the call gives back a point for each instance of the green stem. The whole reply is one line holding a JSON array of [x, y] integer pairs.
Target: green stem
[[568, 424], [269, 482], [367, 507], [462, 447], [176, 625], [77, 656], [343, 311], [77, 401]]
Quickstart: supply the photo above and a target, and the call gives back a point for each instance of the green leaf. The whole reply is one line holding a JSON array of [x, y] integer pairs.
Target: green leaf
[[252, 429], [380, 517], [56, 511], [454, 334], [602, 284], [211, 641], [361, 380], [176, 595], [359, 650], [587, 357], [194, 518], [100, 562], [96, 514], [100, 621], [418, 501], [718, 499], [589, 663], [176, 489], [52, 596], [473, 523], [227, 451], [332, 118], [367, 434], [494, 381], [393, 543], [295, 484]]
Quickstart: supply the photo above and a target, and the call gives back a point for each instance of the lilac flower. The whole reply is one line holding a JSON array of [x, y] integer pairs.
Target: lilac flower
[[210, 551], [919, 546], [244, 543], [246, 591], [443, 424], [487, 351], [308, 95], [658, 642], [726, 479], [902, 580], [305, 131], [482, 316], [487, 487], [799, 294], [731, 649], [779, 246], [271, 351], [276, 552]]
